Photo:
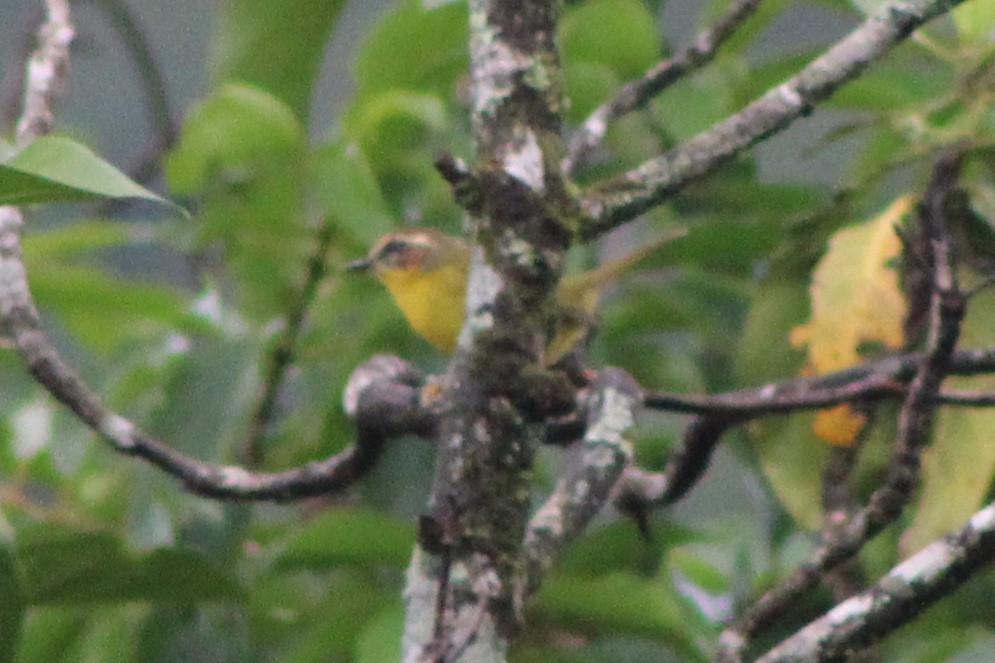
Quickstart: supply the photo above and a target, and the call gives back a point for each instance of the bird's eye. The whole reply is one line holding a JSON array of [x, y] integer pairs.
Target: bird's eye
[[393, 252]]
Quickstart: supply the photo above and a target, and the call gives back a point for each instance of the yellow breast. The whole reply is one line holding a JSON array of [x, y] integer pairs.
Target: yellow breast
[[433, 302]]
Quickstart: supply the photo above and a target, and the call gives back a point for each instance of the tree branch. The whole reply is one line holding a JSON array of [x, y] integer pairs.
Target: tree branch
[[639, 92], [594, 469], [383, 395], [946, 312], [136, 42], [897, 598], [282, 354], [612, 203], [872, 380]]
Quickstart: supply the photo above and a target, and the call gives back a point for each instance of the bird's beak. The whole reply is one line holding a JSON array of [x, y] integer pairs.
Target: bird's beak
[[361, 265]]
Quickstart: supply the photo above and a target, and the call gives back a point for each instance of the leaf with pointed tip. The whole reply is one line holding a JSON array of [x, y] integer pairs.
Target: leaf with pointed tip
[[56, 169]]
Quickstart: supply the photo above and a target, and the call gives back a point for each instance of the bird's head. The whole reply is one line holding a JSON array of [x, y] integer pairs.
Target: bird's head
[[412, 252]]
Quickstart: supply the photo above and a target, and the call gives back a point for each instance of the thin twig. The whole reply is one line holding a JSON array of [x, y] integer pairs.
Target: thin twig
[[914, 425], [897, 598], [148, 163], [637, 93], [621, 199], [136, 41], [282, 354], [640, 490], [872, 380]]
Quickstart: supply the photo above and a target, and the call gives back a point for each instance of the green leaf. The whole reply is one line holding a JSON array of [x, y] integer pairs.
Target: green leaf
[[620, 603], [791, 457], [243, 151], [231, 130], [396, 121], [619, 547], [694, 104], [415, 47], [619, 33], [350, 536], [276, 46], [587, 85], [50, 633], [55, 169], [380, 641], [69, 567], [350, 607], [350, 195], [12, 603], [76, 239], [975, 22], [396, 131], [698, 570], [102, 310]]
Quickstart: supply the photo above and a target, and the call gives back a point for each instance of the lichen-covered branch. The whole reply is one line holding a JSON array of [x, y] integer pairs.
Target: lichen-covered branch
[[46, 71], [636, 94], [592, 473], [46, 75], [897, 598], [612, 203], [497, 389]]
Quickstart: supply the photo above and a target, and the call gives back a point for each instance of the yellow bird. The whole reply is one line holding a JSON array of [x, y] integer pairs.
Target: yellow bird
[[426, 272]]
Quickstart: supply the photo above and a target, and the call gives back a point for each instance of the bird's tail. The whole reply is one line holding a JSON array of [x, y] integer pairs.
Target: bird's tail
[[610, 270]]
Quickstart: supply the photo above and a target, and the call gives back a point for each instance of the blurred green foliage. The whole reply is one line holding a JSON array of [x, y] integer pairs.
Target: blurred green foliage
[[103, 559]]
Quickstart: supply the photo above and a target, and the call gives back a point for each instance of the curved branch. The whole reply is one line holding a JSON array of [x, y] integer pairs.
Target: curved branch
[[884, 378], [612, 203], [383, 395], [136, 42]]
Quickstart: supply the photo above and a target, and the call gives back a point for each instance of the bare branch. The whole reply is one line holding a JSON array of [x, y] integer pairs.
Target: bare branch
[[637, 93], [897, 598], [914, 424], [46, 72], [621, 199], [148, 163], [872, 380], [136, 42]]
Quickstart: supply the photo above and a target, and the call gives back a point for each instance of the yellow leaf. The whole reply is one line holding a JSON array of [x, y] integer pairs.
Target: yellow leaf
[[856, 300], [838, 425]]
